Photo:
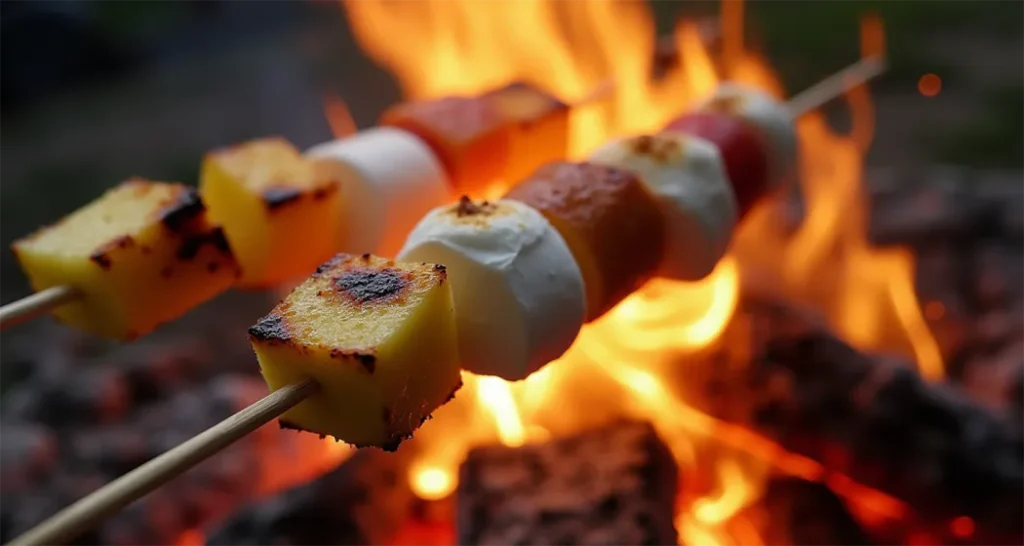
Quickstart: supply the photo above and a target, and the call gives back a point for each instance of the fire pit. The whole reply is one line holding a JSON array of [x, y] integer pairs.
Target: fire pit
[[852, 373]]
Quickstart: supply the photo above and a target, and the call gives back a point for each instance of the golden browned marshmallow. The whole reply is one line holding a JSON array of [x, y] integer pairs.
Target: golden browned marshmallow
[[519, 299]]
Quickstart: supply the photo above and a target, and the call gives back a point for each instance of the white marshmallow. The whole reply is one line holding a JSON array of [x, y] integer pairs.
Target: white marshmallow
[[389, 180], [767, 116], [688, 177], [519, 298]]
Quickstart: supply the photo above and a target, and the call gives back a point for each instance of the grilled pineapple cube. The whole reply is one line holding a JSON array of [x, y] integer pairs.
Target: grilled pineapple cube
[[142, 254], [379, 338], [280, 211]]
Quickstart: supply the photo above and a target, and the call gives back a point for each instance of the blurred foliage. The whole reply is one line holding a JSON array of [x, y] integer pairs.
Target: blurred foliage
[[996, 139], [133, 20], [814, 37], [807, 40]]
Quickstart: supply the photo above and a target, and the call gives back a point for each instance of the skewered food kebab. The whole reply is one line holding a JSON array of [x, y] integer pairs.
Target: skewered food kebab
[[342, 351], [502, 288], [282, 212]]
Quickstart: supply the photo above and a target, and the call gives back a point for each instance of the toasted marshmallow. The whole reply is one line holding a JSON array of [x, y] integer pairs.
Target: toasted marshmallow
[[389, 178], [769, 117], [688, 177], [519, 298]]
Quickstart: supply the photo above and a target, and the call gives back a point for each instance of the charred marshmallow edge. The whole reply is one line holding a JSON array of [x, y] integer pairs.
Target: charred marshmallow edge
[[519, 295], [687, 176], [389, 178], [769, 117]]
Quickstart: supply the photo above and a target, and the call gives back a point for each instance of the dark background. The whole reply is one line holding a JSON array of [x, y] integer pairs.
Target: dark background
[[93, 91]]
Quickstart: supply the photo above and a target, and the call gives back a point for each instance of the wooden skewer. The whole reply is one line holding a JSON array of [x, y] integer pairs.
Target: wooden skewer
[[81, 516], [36, 305], [836, 85]]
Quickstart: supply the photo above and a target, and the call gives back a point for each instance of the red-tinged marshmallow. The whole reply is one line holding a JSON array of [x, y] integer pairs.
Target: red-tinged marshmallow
[[743, 150], [767, 116]]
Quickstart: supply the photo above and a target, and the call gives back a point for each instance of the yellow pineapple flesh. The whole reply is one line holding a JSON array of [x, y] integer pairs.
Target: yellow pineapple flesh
[[142, 254], [280, 211], [379, 338]]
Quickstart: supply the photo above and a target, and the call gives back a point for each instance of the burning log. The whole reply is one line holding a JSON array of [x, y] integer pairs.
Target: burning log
[[361, 502], [28, 453], [612, 485], [79, 397], [204, 494], [876, 421], [805, 513]]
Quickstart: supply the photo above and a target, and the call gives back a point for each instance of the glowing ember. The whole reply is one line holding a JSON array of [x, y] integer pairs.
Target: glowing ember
[[570, 48]]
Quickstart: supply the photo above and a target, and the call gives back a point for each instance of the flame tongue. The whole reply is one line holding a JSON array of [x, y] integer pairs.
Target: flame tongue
[[467, 47]]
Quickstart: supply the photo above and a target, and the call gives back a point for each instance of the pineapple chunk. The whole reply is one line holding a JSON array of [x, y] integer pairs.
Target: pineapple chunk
[[469, 136], [379, 338], [538, 127], [142, 254], [280, 211]]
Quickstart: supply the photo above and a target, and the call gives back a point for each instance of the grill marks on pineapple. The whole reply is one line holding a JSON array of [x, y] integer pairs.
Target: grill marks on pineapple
[[391, 421], [366, 359], [272, 328], [185, 216], [329, 265], [101, 256], [275, 329], [277, 196], [182, 212], [193, 243], [367, 285]]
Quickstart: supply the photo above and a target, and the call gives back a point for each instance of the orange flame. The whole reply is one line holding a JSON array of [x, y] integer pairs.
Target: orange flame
[[570, 49]]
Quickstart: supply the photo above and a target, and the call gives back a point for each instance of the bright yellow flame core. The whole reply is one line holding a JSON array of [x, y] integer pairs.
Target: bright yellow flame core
[[619, 364]]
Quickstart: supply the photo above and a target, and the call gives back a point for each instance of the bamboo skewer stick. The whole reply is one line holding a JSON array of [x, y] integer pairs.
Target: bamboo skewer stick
[[36, 305], [836, 85], [81, 516]]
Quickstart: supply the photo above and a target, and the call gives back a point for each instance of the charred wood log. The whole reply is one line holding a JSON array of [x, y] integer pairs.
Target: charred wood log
[[875, 420], [612, 485], [804, 513], [363, 501], [201, 495]]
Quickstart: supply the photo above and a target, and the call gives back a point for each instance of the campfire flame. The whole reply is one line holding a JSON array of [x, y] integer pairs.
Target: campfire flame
[[618, 364]]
